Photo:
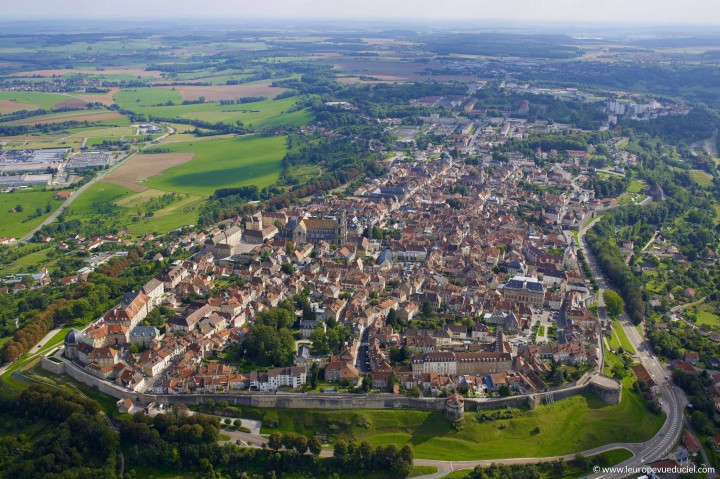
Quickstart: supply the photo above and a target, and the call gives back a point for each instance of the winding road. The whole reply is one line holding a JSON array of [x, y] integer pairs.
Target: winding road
[[673, 400]]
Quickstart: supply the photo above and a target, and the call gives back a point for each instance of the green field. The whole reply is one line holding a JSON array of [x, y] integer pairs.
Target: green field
[[635, 187], [46, 101], [701, 178], [132, 98], [221, 164], [707, 315], [17, 225], [261, 113], [611, 458], [624, 341], [125, 205], [569, 426]]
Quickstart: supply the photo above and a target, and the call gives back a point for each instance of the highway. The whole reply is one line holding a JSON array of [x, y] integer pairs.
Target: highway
[[673, 399]]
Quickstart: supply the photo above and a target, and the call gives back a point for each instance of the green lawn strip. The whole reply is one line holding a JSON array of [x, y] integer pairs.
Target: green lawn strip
[[611, 458], [611, 360], [624, 341], [701, 178], [613, 341], [422, 471], [107, 403]]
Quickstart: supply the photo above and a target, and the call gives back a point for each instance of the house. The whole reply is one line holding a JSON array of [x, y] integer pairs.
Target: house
[[690, 442], [126, 406], [692, 357], [63, 195], [144, 335], [307, 327]]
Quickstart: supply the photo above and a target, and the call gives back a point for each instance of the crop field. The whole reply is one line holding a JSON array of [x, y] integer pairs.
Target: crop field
[[129, 70], [268, 112], [133, 98], [46, 101], [18, 224], [222, 163], [142, 167], [71, 104], [9, 106], [228, 92], [104, 98], [81, 115]]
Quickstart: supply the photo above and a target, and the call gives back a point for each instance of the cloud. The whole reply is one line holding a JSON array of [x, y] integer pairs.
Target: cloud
[[657, 11]]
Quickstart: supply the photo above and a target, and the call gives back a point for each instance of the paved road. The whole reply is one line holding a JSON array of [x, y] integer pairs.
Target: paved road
[[34, 350], [87, 185], [77, 193], [673, 400]]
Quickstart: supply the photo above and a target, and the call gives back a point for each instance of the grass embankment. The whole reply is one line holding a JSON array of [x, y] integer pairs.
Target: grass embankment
[[566, 427], [624, 341], [611, 458]]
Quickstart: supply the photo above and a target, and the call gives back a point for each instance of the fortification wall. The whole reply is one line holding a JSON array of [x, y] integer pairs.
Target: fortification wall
[[607, 389], [300, 401]]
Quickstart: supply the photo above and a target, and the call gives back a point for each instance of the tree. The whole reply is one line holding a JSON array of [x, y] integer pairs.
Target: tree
[[314, 446], [613, 303], [313, 375], [275, 441], [319, 341], [366, 384], [287, 268], [392, 318], [269, 346]]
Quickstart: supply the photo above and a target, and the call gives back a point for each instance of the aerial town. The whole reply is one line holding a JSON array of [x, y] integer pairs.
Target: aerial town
[[322, 248], [481, 260]]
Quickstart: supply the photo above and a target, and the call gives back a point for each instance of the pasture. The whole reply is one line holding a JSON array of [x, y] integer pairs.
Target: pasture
[[17, 224], [153, 101], [222, 163], [128, 210], [46, 101], [708, 315]]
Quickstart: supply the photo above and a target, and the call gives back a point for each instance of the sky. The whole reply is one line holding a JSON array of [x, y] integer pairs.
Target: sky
[[705, 12]]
